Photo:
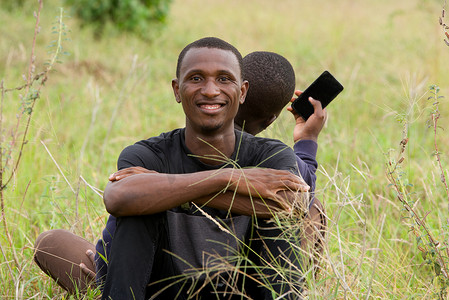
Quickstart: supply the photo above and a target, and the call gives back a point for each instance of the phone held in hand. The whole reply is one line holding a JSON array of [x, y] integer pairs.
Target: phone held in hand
[[324, 89]]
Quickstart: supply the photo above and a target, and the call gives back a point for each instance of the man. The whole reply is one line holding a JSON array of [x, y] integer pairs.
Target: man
[[272, 82], [193, 165], [122, 174]]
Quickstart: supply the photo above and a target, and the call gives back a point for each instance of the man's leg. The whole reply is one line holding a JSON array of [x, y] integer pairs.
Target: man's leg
[[137, 256], [59, 253], [313, 240]]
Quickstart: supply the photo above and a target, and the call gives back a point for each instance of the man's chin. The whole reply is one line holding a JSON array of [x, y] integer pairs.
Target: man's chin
[[211, 128]]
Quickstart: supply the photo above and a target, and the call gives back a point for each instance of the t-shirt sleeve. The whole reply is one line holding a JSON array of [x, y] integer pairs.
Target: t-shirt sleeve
[[138, 155], [305, 152]]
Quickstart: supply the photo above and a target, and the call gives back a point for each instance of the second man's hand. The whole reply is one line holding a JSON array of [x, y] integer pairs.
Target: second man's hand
[[310, 129]]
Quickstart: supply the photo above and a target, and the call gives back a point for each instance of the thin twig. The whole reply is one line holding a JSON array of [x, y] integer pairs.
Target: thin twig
[[96, 190], [376, 257], [121, 99], [341, 260], [435, 118], [59, 168]]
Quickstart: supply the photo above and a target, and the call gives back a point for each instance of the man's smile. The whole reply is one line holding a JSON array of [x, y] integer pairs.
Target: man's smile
[[211, 107]]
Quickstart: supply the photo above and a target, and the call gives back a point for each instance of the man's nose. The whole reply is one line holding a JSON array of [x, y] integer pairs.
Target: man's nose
[[210, 89]]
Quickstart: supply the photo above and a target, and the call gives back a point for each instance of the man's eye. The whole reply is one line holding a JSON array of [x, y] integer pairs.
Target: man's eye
[[223, 79], [195, 78]]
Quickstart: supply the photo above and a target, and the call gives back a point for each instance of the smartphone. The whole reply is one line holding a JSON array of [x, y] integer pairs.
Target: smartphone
[[325, 88]]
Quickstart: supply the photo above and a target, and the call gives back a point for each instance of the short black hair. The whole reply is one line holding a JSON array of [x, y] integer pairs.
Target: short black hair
[[209, 42], [271, 83]]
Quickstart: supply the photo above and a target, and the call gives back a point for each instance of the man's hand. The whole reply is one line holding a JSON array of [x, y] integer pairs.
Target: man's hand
[[257, 191], [88, 272], [265, 183], [121, 174], [311, 129]]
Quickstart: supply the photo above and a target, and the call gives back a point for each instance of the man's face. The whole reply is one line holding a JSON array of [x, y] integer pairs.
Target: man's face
[[210, 89]]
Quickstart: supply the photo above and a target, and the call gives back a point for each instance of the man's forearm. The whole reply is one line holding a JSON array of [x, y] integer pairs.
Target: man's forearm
[[305, 151], [151, 193]]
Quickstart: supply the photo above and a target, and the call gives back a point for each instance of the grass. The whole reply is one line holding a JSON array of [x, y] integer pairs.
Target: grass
[[112, 92]]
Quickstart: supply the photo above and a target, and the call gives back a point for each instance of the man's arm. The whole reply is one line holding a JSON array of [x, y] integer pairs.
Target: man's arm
[[305, 151], [305, 136], [149, 193]]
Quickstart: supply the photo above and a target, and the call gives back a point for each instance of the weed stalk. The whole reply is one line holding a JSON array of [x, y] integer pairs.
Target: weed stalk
[[32, 88], [435, 116], [443, 24], [434, 252]]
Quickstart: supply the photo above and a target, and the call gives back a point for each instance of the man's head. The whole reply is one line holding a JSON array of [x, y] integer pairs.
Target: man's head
[[272, 84], [209, 42], [209, 85]]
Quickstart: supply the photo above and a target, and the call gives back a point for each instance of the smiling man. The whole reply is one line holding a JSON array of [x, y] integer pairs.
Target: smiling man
[[161, 233]]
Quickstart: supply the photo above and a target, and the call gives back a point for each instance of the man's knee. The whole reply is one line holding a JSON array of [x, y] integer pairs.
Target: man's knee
[[58, 253], [46, 243]]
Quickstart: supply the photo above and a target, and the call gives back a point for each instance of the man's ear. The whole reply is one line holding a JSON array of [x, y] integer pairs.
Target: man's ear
[[243, 91], [175, 86]]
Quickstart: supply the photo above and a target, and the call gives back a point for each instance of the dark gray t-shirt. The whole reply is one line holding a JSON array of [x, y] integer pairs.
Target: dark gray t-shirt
[[193, 236]]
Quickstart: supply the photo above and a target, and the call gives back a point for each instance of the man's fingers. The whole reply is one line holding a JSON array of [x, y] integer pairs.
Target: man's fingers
[[88, 272], [296, 183], [295, 114], [121, 174], [267, 184], [319, 116], [291, 182], [315, 103], [319, 111], [91, 256], [297, 186], [297, 93]]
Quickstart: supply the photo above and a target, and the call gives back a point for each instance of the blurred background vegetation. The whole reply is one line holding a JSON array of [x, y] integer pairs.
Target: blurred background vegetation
[[113, 88]]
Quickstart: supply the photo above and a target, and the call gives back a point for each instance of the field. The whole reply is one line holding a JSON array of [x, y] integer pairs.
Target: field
[[111, 92]]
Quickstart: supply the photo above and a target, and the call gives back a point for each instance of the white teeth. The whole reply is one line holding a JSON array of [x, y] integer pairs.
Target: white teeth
[[210, 106]]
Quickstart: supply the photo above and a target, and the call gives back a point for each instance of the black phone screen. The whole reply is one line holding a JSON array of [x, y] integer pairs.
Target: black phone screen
[[325, 88]]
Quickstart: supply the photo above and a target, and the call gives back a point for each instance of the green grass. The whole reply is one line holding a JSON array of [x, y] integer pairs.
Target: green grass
[[112, 92]]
